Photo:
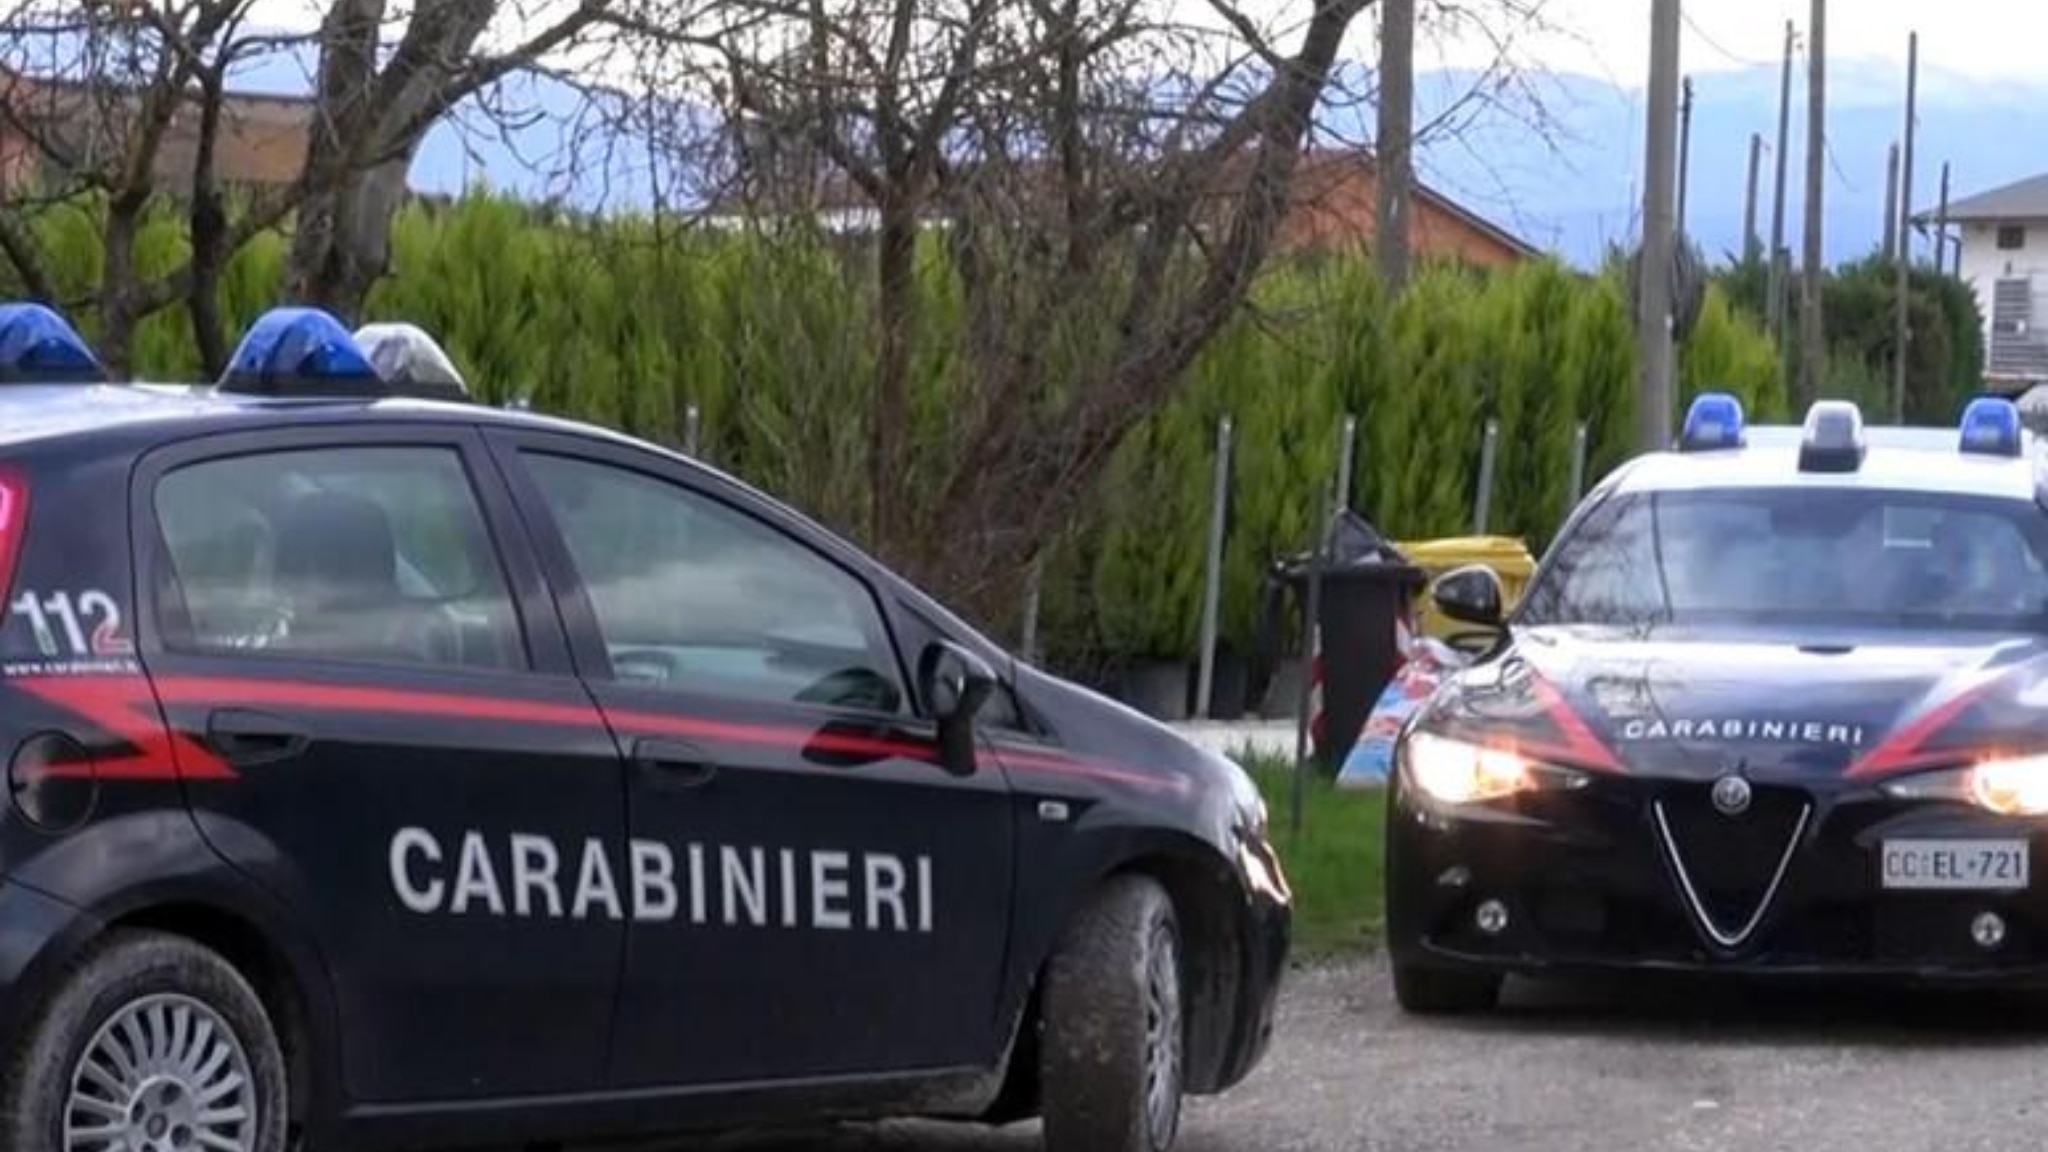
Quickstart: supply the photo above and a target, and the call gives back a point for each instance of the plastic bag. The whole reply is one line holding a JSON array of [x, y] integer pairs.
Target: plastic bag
[[1428, 661]]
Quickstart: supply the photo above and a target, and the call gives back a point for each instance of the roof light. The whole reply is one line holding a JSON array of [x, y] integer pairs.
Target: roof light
[[37, 346], [1832, 439], [1714, 421], [1991, 427], [300, 352], [411, 362]]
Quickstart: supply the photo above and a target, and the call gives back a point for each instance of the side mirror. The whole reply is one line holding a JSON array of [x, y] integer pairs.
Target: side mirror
[[954, 683], [1471, 594]]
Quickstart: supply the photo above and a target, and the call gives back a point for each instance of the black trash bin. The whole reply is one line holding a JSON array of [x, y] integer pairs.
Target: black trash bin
[[1367, 585]]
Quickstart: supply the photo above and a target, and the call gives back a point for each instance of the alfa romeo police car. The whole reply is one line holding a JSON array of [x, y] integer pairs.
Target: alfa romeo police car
[[400, 773], [1775, 703]]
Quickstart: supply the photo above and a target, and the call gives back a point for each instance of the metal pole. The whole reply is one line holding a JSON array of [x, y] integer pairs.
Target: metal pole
[[1310, 619], [1578, 464], [1345, 448], [1482, 502], [1212, 571], [1902, 332], [1034, 579], [1660, 242], [1775, 306], [1749, 237], [1812, 349], [1684, 152], [691, 419]]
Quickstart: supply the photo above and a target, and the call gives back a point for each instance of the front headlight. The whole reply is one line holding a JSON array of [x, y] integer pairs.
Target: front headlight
[[1456, 772], [2009, 786], [2015, 787]]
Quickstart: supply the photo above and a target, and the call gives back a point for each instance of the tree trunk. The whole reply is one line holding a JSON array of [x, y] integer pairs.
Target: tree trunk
[[343, 243], [896, 299], [118, 311]]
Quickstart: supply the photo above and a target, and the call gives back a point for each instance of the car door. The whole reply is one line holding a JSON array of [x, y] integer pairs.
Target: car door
[[814, 894], [377, 717]]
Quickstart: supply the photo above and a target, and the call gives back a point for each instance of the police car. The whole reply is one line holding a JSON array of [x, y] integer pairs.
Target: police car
[[387, 772], [1775, 703]]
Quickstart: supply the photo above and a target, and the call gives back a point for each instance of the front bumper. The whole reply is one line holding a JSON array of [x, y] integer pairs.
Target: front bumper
[[1588, 881]]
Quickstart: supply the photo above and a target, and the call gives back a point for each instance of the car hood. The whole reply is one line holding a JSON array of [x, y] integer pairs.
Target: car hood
[[1695, 705]]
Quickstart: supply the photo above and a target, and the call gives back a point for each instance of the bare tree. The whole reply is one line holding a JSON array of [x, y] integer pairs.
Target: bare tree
[[1108, 177], [124, 111], [375, 109]]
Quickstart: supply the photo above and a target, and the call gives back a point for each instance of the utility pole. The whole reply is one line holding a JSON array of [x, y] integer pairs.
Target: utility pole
[[1775, 307], [1891, 204], [1684, 152], [1749, 239], [1660, 240], [1941, 225], [1396, 138], [1902, 332], [1811, 334]]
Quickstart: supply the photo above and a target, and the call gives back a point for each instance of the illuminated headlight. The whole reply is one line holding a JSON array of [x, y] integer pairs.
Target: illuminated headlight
[[2010, 786], [1456, 772], [2016, 787]]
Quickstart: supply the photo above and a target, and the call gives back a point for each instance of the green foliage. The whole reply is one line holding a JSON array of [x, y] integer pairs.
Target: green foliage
[[1859, 301], [770, 337]]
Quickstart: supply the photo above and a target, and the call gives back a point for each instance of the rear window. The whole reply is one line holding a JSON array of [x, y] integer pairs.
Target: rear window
[[376, 554], [1852, 557]]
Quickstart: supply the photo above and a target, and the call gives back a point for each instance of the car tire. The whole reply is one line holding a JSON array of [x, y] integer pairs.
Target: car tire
[[1113, 1037], [153, 1034], [1438, 992]]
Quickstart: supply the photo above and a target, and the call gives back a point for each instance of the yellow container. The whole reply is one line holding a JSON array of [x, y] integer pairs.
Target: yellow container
[[1507, 556]]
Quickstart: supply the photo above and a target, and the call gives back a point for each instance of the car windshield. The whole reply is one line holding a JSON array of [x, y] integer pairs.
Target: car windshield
[[1851, 557]]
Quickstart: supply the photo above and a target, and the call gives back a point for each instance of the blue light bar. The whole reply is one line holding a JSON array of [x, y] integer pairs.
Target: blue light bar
[[1832, 439], [1991, 427], [37, 346], [300, 352], [1713, 422]]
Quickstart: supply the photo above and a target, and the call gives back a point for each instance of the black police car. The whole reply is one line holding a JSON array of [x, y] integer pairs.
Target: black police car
[[388, 772], [1774, 703]]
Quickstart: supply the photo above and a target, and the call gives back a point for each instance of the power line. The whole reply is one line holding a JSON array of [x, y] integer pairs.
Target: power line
[[1716, 45]]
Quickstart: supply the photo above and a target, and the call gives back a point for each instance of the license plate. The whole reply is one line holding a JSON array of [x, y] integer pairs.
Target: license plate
[[1965, 864]]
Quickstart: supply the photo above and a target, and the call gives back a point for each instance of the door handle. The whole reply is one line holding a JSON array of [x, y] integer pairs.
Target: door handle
[[245, 737], [674, 763]]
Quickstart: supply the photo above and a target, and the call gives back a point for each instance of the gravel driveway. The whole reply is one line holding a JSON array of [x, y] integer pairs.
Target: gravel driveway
[[1628, 1069]]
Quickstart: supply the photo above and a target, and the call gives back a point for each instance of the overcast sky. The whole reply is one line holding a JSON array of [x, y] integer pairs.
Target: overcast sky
[[1611, 38]]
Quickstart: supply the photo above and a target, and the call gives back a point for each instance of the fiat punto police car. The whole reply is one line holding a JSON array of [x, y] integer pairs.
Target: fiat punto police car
[[386, 772], [1775, 703]]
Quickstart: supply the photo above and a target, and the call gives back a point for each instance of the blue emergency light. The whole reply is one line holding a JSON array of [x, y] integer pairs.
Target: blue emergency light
[[37, 346], [1991, 427], [300, 352], [1713, 422]]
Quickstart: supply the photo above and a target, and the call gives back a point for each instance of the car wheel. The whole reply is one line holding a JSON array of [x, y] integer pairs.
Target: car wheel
[[1112, 1046], [151, 1044], [1437, 992]]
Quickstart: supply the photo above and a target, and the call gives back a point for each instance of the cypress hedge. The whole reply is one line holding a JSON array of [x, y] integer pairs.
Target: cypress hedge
[[631, 322]]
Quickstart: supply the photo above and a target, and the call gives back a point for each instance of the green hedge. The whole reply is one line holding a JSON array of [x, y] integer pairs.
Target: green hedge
[[630, 322]]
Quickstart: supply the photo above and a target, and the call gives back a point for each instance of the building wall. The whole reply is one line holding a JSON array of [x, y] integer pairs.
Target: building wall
[[1984, 264]]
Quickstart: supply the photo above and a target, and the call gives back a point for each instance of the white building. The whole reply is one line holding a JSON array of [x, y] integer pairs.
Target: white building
[[2004, 236]]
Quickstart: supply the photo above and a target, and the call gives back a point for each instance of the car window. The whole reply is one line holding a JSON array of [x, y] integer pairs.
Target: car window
[[694, 596], [372, 553], [1851, 556]]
